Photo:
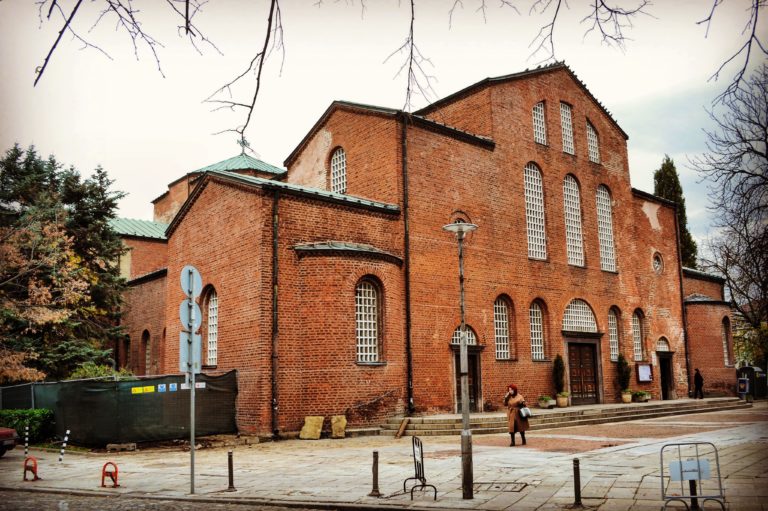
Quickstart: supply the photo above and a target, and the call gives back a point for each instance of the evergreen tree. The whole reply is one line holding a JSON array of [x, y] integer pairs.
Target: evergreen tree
[[666, 184], [60, 286]]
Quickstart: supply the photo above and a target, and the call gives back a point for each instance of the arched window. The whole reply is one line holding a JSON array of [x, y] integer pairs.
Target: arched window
[[572, 209], [471, 337], [536, 315], [578, 317], [605, 228], [726, 334], [339, 171], [539, 124], [534, 213], [637, 335], [567, 125], [367, 318], [662, 344], [501, 315], [212, 328], [593, 145], [613, 334], [127, 352], [146, 345]]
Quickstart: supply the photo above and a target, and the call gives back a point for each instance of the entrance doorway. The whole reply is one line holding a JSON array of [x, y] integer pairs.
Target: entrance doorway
[[665, 374], [473, 380], [582, 366]]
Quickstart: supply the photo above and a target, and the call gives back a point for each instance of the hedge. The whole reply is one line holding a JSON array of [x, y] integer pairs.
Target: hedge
[[40, 422]]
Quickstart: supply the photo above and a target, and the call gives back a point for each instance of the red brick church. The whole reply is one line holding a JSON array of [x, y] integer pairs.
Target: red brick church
[[332, 288]]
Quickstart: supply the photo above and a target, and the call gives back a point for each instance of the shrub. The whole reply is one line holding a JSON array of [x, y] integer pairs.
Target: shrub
[[92, 370], [624, 373], [40, 422], [558, 374], [544, 397]]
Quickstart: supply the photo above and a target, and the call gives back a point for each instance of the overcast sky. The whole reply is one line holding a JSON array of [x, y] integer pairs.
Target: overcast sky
[[147, 130]]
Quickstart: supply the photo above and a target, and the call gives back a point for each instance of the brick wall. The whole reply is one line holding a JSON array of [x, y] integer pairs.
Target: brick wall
[[143, 311], [705, 332], [145, 256], [707, 287]]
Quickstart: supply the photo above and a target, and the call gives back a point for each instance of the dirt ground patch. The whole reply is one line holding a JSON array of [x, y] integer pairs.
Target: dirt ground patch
[[564, 445]]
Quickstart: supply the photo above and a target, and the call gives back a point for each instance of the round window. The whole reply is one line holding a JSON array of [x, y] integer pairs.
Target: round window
[[658, 263]]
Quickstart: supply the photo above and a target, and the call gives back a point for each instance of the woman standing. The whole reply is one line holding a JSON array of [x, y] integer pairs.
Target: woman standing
[[514, 401]]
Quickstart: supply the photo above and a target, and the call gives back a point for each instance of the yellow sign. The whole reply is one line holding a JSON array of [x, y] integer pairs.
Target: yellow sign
[[137, 390], [148, 389]]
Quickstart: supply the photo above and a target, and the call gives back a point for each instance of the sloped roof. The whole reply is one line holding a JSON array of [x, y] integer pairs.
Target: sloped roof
[[139, 228], [243, 162], [698, 274]]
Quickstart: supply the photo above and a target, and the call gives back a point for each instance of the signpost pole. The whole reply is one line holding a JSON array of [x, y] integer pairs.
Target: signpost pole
[[190, 365]]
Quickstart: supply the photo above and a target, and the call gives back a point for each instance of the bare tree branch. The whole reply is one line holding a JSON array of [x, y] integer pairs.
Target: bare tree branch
[[611, 21], [40, 70], [545, 36]]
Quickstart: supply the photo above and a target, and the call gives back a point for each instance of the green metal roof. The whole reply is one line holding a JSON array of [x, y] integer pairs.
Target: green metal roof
[[243, 162], [139, 228]]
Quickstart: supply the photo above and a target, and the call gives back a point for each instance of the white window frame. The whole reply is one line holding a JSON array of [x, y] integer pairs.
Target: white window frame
[[539, 124], [536, 316], [578, 317], [367, 326], [637, 336], [726, 352], [339, 171], [593, 143], [534, 212], [604, 208], [501, 328], [566, 122], [147, 342], [471, 337], [613, 335], [662, 344], [212, 329], [574, 241]]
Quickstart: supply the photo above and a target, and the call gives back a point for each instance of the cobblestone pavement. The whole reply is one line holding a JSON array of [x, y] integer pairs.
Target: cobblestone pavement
[[619, 462]]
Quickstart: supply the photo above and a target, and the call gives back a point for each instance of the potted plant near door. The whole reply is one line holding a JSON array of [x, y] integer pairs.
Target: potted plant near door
[[546, 402], [623, 377], [641, 396], [558, 376]]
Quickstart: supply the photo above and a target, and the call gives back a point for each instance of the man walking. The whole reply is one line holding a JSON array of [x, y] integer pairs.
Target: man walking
[[698, 385]]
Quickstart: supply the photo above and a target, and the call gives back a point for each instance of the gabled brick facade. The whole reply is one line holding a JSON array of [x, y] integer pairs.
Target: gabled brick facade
[[288, 259]]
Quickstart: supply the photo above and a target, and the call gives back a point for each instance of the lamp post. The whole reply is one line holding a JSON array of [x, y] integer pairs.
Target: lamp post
[[461, 229]]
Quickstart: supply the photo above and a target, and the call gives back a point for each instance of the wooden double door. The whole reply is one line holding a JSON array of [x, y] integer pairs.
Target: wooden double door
[[582, 368]]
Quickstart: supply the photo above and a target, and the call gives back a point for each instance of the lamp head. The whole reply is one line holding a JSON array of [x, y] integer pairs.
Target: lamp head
[[459, 228]]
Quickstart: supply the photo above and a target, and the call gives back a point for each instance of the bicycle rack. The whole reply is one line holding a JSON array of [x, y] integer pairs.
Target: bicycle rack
[[418, 466]]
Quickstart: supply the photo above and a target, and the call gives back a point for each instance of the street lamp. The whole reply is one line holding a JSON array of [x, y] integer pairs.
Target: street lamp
[[461, 229]]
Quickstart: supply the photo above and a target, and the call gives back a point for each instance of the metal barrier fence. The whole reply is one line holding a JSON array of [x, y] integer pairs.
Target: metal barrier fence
[[693, 474], [98, 412]]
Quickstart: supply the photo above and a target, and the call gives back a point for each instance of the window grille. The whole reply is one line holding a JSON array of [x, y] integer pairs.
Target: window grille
[[593, 146], [367, 318], [339, 171], [213, 329], [471, 337], [539, 125], [726, 352], [501, 328], [572, 210], [578, 317], [605, 229], [637, 336], [147, 345], [662, 344], [537, 332], [534, 213], [613, 335], [565, 122]]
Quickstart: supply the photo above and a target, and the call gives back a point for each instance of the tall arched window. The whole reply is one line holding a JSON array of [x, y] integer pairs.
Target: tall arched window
[[567, 125], [613, 334], [367, 320], [539, 124], [146, 345], [536, 315], [471, 337], [212, 327], [578, 317], [339, 171], [637, 335], [572, 209], [501, 314], [593, 145], [726, 331], [605, 228], [534, 213]]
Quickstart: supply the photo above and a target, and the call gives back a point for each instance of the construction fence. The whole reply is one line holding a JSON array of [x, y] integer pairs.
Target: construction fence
[[140, 409]]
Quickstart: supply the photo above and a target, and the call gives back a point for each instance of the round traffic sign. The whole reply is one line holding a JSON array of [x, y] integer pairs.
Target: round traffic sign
[[191, 281], [197, 315]]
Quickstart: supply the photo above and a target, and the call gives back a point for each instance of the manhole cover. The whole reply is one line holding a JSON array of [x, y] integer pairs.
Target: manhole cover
[[500, 486]]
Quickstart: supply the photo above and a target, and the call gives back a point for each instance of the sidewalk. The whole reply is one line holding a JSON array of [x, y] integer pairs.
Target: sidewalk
[[620, 468]]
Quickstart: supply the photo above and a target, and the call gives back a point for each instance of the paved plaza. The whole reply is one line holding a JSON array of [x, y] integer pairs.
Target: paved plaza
[[619, 467]]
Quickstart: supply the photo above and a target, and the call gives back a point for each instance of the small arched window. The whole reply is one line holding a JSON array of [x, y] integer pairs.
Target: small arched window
[[637, 335], [578, 317], [212, 328], [605, 228], [662, 344], [539, 124], [146, 345], [613, 334], [726, 334], [534, 213], [501, 321], [367, 321], [536, 315], [339, 171], [593, 145], [572, 209], [471, 337]]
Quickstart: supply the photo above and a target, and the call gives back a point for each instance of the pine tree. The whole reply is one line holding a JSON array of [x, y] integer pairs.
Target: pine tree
[[666, 184]]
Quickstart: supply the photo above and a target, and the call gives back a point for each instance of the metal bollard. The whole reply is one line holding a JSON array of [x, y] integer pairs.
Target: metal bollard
[[63, 446], [375, 491], [576, 483], [26, 441], [231, 472]]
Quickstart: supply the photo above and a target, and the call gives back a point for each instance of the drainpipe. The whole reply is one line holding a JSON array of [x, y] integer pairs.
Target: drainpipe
[[682, 303], [275, 331], [407, 263]]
